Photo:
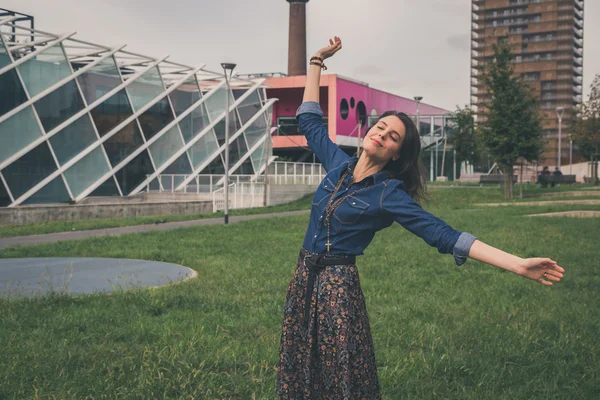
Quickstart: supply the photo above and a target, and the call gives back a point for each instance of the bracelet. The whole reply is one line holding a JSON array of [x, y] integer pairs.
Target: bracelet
[[323, 67], [316, 58]]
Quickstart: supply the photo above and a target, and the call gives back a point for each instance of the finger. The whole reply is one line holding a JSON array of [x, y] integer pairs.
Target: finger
[[552, 278], [553, 273], [546, 283], [330, 42]]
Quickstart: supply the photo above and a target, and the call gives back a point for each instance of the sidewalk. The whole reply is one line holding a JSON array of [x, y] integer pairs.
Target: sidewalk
[[74, 235]]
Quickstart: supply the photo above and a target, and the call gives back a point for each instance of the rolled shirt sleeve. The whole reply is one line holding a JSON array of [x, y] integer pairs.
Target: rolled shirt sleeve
[[310, 118], [433, 230]]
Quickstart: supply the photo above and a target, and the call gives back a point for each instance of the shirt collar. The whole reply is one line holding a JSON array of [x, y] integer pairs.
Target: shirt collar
[[376, 178]]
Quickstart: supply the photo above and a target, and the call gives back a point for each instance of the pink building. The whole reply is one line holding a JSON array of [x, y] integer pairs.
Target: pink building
[[345, 103]]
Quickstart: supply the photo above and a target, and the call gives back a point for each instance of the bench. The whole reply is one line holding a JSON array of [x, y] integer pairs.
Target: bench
[[546, 179], [495, 178]]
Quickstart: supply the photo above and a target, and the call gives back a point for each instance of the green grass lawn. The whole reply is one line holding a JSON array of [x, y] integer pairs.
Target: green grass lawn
[[440, 331]]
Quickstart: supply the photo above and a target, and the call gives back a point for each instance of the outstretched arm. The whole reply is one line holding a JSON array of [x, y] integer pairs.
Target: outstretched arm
[[543, 270], [310, 115], [437, 233]]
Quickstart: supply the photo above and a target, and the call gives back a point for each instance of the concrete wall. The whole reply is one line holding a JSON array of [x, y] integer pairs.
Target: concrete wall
[[140, 206], [75, 212], [281, 194]]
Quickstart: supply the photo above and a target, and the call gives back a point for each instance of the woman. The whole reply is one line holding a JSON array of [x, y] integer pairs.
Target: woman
[[326, 350]]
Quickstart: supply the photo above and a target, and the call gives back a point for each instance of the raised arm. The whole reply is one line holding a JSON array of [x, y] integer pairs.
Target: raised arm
[[310, 115]]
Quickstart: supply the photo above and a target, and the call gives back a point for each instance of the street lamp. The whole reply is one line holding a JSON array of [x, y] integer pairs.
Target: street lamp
[[418, 100], [570, 154], [227, 67], [559, 113]]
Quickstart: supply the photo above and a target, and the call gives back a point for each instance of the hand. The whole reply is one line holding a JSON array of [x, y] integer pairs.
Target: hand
[[334, 46], [543, 270]]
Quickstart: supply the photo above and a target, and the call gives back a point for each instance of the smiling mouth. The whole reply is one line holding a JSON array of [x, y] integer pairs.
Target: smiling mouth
[[378, 143]]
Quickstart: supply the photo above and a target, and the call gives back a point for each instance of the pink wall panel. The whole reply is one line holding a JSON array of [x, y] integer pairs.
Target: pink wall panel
[[373, 99]]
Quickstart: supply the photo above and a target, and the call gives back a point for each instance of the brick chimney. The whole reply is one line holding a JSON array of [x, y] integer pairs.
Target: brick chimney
[[297, 39]]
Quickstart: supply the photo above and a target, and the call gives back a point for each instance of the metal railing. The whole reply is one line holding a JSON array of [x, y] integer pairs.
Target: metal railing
[[241, 195], [280, 173]]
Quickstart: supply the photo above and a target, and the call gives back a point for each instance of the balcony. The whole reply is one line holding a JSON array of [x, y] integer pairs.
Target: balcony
[[578, 42], [579, 4], [578, 32], [578, 70], [579, 13], [577, 51], [577, 89], [578, 80], [566, 16]]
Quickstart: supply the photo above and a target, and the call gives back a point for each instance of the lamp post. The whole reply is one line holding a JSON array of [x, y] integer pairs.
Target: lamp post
[[559, 113], [227, 67], [418, 100], [570, 154]]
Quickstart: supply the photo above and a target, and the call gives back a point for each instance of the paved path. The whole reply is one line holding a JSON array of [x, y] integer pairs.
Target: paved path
[[572, 214], [541, 203], [74, 235], [28, 277]]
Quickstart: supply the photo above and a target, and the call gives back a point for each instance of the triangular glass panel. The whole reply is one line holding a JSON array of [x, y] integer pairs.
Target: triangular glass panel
[[100, 79], [185, 95], [181, 166], [215, 167], [123, 143], [4, 197], [135, 172], [53, 192], [154, 119], [249, 107], [108, 188], [111, 112], [29, 170]]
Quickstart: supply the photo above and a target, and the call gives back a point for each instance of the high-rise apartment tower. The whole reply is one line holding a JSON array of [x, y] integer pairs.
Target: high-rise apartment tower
[[547, 41]]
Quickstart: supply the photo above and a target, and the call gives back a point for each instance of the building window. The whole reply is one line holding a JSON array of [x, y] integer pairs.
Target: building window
[[344, 109], [288, 126], [361, 113]]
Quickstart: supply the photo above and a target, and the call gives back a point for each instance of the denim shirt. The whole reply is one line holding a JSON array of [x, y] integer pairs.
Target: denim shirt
[[381, 201]]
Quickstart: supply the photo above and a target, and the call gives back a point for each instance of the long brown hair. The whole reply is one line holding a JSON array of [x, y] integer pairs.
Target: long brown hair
[[409, 167]]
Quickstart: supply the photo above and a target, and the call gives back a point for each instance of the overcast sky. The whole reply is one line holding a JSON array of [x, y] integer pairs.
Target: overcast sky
[[406, 47]]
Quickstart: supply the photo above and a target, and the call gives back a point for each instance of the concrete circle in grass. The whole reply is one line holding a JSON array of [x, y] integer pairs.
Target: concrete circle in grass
[[28, 277]]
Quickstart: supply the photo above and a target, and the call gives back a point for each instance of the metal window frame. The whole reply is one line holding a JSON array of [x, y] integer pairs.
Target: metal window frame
[[72, 119], [93, 146], [92, 119], [201, 134], [249, 154], [222, 147], [40, 140], [62, 82], [147, 143]]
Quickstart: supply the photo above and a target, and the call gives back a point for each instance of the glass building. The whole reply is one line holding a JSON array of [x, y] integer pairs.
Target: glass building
[[79, 119]]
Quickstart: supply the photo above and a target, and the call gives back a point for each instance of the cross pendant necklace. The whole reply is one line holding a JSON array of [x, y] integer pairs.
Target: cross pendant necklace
[[331, 206]]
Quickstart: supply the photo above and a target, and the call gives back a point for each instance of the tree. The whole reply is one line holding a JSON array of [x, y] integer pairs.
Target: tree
[[586, 124], [463, 135], [511, 126]]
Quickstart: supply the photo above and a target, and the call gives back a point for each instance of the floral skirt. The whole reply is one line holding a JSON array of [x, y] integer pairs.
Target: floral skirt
[[330, 355]]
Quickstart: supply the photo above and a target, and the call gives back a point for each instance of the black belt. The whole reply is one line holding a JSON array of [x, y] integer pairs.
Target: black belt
[[316, 263]]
